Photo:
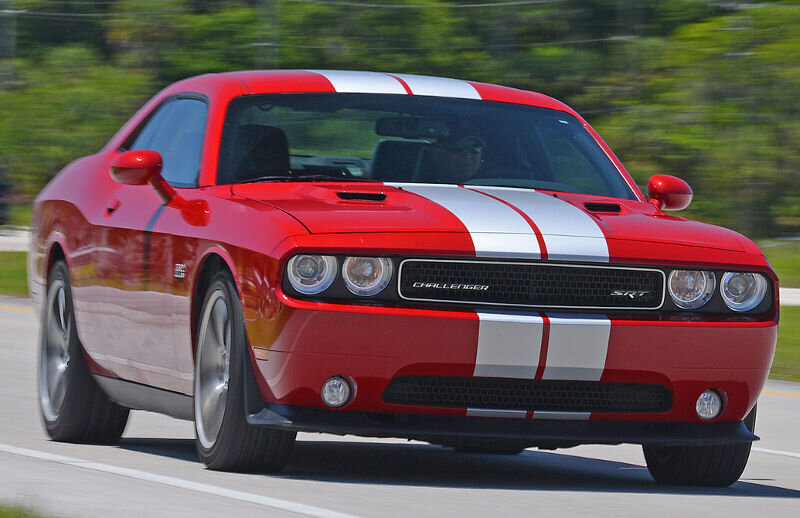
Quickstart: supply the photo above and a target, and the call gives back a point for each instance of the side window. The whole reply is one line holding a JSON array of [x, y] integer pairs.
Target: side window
[[176, 132]]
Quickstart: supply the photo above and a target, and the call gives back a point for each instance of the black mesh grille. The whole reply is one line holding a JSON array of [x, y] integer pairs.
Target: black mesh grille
[[514, 394], [531, 284]]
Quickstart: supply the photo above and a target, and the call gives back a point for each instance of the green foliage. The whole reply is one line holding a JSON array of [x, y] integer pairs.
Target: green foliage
[[65, 105], [702, 90]]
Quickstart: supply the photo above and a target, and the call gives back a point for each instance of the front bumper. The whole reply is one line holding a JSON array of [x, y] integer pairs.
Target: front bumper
[[307, 343], [450, 430]]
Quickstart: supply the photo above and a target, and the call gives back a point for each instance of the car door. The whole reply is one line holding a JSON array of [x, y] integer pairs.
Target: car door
[[135, 318]]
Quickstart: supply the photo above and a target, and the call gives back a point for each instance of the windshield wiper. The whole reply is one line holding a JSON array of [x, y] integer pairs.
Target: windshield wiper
[[307, 178]]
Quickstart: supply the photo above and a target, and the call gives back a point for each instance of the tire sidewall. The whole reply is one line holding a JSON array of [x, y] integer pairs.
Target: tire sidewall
[[233, 416], [58, 427]]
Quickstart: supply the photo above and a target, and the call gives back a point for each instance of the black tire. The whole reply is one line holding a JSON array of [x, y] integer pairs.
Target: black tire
[[716, 465], [224, 439], [72, 405]]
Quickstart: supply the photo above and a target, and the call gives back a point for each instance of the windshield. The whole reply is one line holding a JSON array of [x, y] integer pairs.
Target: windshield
[[412, 139]]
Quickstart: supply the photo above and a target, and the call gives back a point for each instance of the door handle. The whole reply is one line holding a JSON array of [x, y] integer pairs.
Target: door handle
[[114, 205]]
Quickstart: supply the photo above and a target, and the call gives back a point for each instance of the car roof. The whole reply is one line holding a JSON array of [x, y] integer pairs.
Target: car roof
[[354, 81]]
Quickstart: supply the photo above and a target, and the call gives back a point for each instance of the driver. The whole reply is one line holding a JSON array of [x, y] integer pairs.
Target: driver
[[458, 160]]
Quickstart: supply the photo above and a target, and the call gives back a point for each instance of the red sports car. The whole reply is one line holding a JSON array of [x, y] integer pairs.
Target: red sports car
[[392, 255]]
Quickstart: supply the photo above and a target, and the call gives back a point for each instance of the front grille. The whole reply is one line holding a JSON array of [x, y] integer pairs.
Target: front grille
[[531, 284], [516, 394]]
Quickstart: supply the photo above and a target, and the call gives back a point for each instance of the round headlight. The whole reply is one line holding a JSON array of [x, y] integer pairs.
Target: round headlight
[[690, 289], [311, 274], [742, 291], [366, 276]]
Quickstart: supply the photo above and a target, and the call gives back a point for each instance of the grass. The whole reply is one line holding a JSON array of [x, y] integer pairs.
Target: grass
[[13, 274], [15, 512], [785, 258], [786, 365]]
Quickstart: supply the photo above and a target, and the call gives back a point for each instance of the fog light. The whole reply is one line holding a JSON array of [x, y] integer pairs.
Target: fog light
[[336, 392], [709, 405]]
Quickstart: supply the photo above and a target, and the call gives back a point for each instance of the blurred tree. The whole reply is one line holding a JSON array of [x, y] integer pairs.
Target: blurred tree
[[698, 88], [67, 105]]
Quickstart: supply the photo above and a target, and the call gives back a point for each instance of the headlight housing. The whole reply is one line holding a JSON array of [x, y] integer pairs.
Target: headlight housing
[[366, 276], [311, 274], [691, 289], [743, 291]]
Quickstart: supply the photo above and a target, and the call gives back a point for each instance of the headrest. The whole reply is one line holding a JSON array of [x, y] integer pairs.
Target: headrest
[[259, 151]]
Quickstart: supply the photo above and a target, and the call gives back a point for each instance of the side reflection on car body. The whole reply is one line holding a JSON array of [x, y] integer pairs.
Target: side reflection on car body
[[392, 255]]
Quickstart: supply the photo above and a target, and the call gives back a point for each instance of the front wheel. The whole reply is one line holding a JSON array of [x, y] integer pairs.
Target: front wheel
[[716, 465], [225, 441], [72, 406]]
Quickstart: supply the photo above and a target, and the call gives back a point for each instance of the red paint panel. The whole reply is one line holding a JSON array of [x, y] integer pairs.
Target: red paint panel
[[283, 81], [489, 92], [690, 358], [322, 211]]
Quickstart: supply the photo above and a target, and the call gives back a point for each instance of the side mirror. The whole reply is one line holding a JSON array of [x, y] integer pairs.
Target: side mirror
[[142, 166], [669, 192], [136, 167]]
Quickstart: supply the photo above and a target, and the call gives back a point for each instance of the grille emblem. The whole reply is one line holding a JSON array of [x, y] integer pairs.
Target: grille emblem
[[451, 286], [633, 294]]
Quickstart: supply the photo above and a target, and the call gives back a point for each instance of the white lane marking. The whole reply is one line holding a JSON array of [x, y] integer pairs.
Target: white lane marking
[[496, 229], [778, 452], [285, 505], [578, 347], [508, 345], [561, 416], [439, 86], [345, 81], [569, 233], [489, 412]]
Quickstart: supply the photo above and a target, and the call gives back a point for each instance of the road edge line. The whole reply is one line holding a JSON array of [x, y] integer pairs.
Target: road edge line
[[777, 452], [276, 503]]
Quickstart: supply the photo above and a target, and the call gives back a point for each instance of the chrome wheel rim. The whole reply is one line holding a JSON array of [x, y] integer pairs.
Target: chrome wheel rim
[[54, 354], [212, 369]]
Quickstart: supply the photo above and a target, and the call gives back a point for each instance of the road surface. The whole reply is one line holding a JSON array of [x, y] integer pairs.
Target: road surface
[[154, 470]]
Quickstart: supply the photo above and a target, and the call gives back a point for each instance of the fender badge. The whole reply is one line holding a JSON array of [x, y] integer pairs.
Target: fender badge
[[180, 271]]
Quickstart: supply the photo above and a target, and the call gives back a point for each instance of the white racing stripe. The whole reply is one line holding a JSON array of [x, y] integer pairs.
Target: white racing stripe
[[439, 86], [508, 345], [275, 503], [569, 233], [344, 81], [578, 347], [496, 229]]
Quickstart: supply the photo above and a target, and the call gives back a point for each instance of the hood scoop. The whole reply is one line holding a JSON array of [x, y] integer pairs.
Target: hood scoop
[[613, 208], [362, 196]]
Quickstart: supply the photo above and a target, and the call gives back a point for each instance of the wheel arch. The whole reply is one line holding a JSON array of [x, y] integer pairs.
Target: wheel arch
[[213, 260], [56, 250]]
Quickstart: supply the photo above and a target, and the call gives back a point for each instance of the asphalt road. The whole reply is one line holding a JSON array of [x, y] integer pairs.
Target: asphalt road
[[154, 470]]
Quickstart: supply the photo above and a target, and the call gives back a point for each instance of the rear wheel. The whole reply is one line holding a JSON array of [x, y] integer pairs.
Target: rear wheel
[[73, 407], [712, 465], [225, 441]]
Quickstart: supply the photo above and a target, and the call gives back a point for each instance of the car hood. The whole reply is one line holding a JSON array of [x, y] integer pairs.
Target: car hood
[[583, 222]]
